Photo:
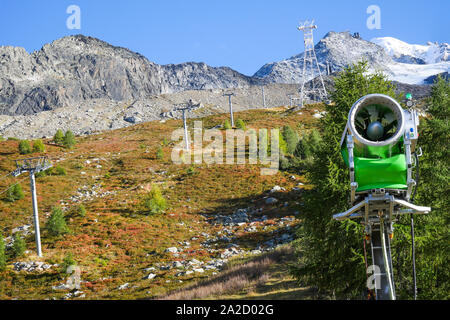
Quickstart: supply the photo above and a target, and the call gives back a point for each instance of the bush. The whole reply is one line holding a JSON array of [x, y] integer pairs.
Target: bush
[[19, 246], [227, 125], [69, 140], [191, 171], [159, 153], [38, 146], [81, 210], [24, 147], [59, 137], [240, 124], [67, 262], [155, 202], [2, 253], [14, 193], [56, 224], [2, 139], [58, 171]]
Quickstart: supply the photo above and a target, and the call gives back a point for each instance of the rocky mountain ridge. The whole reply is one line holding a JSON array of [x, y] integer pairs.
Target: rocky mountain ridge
[[79, 68]]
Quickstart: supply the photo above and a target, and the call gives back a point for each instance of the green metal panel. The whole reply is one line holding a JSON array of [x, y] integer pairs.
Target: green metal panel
[[377, 172]]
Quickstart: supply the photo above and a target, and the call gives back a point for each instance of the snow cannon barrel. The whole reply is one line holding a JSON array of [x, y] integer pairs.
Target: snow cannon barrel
[[378, 141], [377, 123]]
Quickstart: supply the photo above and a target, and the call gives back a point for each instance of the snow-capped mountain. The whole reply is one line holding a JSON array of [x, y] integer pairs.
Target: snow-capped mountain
[[400, 61], [404, 52]]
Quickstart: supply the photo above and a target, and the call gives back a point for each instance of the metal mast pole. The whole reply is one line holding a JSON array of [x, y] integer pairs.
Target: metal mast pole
[[37, 232], [33, 166], [187, 107], [229, 95], [186, 135], [263, 97]]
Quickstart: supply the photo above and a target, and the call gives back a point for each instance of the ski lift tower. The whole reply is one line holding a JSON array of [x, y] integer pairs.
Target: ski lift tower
[[33, 166], [310, 66], [185, 107]]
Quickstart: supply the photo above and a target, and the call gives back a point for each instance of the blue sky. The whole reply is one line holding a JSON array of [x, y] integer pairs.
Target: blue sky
[[241, 34]]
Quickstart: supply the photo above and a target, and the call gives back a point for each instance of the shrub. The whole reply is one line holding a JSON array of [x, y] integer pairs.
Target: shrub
[[2, 253], [19, 246], [58, 171], [14, 193], [56, 224], [159, 153], [1, 138], [59, 137], [240, 124], [155, 202], [191, 171], [24, 147], [38, 146], [81, 210], [227, 125], [69, 140], [67, 262]]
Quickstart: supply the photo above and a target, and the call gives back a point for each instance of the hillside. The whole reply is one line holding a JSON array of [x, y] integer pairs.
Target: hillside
[[124, 253]]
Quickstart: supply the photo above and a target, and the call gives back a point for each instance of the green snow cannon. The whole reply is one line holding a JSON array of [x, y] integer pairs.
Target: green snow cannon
[[377, 144]]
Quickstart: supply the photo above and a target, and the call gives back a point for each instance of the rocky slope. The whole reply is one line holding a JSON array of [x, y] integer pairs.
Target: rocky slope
[[75, 69]]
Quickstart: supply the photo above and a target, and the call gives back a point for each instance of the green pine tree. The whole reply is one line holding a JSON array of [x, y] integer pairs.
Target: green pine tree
[[155, 203], [56, 224], [69, 140], [59, 137], [431, 231], [332, 253], [38, 146], [227, 125], [14, 193], [240, 124], [81, 210], [24, 147], [19, 246], [291, 138], [159, 153]]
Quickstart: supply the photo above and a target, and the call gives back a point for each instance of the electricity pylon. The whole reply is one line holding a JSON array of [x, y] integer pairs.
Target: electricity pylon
[[310, 64], [186, 108], [33, 166], [229, 95]]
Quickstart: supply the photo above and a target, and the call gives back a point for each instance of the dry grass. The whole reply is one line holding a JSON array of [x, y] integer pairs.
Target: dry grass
[[235, 278]]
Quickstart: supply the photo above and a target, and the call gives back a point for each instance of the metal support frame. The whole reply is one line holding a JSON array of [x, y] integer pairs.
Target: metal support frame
[[187, 107], [33, 166], [310, 63], [229, 95]]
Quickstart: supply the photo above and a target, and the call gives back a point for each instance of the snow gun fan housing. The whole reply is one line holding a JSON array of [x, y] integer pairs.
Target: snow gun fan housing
[[373, 143]]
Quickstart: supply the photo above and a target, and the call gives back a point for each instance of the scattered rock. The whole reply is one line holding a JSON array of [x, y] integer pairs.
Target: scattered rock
[[271, 200]]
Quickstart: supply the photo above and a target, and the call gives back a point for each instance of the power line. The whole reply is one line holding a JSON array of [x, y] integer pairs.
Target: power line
[[13, 185]]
